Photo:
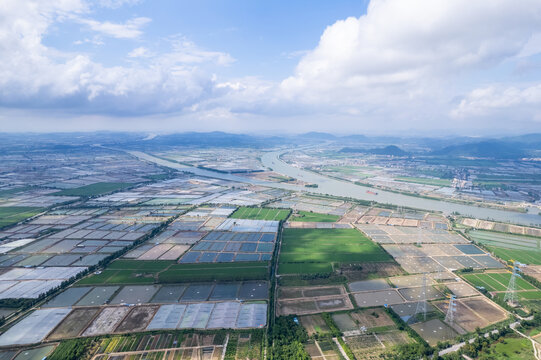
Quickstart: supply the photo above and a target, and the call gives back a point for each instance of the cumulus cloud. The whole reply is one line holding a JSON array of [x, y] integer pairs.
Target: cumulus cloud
[[494, 99], [115, 4], [131, 29], [141, 51], [406, 62], [402, 49], [34, 75]]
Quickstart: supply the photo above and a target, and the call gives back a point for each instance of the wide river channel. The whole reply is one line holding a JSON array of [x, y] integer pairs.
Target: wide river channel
[[336, 187]]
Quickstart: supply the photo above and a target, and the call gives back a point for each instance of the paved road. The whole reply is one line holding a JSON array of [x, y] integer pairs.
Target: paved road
[[458, 346], [341, 349], [512, 326]]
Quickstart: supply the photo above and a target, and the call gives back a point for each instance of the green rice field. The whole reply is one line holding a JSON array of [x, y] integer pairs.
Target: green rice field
[[496, 281], [93, 189], [13, 214], [260, 213], [525, 249], [510, 241], [161, 271], [531, 257], [314, 217], [312, 251], [305, 268]]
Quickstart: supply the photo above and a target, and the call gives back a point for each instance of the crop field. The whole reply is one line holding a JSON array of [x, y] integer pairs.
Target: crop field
[[122, 272], [314, 324], [329, 349], [525, 249], [260, 213], [305, 268], [13, 214], [365, 346], [302, 248], [394, 337], [123, 343], [307, 216], [511, 241], [530, 257], [249, 346], [93, 189], [168, 345], [372, 318], [496, 281]]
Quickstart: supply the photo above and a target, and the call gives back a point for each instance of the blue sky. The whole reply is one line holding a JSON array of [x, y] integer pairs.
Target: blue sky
[[266, 38], [415, 66]]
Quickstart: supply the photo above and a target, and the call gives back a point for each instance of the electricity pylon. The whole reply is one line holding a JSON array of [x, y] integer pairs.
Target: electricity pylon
[[421, 304], [511, 296], [450, 316]]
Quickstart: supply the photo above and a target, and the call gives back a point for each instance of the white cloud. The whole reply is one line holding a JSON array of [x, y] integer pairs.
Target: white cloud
[[131, 29], [403, 50], [139, 52], [34, 75], [186, 51], [115, 4], [403, 64], [95, 40], [494, 99]]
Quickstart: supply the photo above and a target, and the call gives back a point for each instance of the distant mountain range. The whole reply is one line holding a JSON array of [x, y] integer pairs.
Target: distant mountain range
[[485, 149], [512, 147], [391, 150]]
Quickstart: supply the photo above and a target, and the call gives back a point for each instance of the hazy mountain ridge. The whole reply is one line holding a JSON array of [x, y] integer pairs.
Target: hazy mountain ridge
[[391, 150]]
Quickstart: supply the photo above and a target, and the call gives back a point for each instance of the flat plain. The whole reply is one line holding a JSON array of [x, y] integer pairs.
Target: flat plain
[[258, 213], [315, 250]]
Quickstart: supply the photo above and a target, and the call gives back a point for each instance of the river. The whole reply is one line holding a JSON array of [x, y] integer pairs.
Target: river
[[327, 185], [336, 187]]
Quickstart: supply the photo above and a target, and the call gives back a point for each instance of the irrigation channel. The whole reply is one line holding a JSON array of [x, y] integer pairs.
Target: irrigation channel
[[340, 188]]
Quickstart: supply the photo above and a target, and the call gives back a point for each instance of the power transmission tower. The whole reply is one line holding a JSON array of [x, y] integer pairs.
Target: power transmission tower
[[421, 304], [511, 294], [450, 316]]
